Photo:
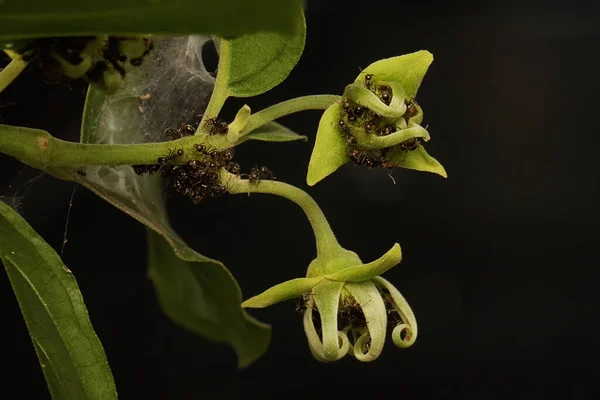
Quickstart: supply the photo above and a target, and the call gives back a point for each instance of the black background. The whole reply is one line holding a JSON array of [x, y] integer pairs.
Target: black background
[[500, 259]]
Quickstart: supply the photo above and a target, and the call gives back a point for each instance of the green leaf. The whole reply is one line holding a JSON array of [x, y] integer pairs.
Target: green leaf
[[329, 152], [284, 291], [202, 296], [408, 70], [226, 18], [417, 159], [197, 292], [368, 271], [71, 355], [272, 132], [255, 63]]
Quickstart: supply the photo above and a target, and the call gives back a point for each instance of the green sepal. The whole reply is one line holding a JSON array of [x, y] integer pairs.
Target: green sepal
[[417, 159], [284, 291], [368, 271], [329, 152], [408, 70]]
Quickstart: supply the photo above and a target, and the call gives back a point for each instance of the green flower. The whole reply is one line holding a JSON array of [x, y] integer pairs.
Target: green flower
[[377, 123], [343, 296]]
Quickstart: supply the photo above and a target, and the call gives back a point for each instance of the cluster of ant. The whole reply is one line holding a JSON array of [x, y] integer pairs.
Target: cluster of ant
[[355, 115], [350, 312], [198, 178], [40, 52]]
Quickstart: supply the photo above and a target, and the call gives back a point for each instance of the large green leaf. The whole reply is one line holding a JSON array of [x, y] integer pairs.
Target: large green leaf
[[202, 296], [227, 18], [255, 63], [197, 292], [69, 351]]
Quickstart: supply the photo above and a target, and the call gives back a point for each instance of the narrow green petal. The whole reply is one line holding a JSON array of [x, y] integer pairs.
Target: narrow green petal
[[364, 272], [371, 303], [327, 299], [329, 152], [409, 322], [370, 141], [314, 341], [282, 292], [409, 70]]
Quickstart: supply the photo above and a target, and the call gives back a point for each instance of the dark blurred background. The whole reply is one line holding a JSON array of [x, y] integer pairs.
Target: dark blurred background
[[500, 263]]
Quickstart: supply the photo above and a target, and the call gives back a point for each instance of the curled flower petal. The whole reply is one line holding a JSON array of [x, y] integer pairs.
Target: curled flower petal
[[284, 291], [326, 298], [409, 322], [359, 94], [369, 141], [373, 308], [364, 272]]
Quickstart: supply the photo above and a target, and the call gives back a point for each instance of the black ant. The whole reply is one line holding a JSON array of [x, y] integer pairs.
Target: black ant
[[184, 130], [302, 302], [358, 111], [384, 93], [233, 168], [254, 176], [411, 109], [346, 108], [410, 144], [350, 138], [187, 130], [172, 134], [385, 130], [146, 169], [258, 174], [361, 158], [170, 157], [217, 126], [351, 311], [224, 157], [368, 80]]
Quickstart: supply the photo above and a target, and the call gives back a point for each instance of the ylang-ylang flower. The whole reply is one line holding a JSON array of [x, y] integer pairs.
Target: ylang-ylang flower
[[347, 306]]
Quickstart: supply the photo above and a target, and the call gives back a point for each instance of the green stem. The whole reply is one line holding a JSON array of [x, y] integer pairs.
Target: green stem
[[220, 92], [325, 239], [11, 72], [312, 102], [41, 150]]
